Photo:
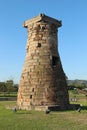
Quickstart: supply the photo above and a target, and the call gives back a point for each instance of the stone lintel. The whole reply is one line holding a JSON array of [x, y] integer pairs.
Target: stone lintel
[[44, 18]]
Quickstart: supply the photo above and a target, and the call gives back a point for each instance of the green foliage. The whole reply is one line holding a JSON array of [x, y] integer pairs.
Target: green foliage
[[8, 87], [81, 84], [3, 87], [73, 86], [74, 82]]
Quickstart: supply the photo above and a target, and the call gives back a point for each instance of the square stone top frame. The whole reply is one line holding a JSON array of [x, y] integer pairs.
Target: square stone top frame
[[44, 18]]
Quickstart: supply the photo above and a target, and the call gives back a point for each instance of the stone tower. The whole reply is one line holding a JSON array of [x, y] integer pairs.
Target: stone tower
[[42, 83]]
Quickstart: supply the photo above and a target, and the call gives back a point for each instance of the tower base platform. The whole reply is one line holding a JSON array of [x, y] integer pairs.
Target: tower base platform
[[52, 108]]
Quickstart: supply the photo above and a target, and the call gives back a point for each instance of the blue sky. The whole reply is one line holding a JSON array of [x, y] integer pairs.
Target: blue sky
[[72, 39]]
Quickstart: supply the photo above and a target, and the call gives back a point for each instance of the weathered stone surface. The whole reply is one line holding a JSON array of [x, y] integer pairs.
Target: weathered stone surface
[[42, 83]]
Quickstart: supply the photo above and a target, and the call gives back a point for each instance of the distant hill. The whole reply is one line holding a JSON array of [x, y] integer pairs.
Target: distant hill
[[77, 81]]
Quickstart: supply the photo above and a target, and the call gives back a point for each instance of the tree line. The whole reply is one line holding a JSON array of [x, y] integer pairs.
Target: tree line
[[8, 86], [82, 86]]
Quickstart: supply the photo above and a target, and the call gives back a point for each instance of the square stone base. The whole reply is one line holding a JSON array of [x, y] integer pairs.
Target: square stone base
[[56, 107], [52, 107]]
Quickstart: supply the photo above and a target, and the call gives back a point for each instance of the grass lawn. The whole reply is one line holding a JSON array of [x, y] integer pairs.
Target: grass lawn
[[36, 120]]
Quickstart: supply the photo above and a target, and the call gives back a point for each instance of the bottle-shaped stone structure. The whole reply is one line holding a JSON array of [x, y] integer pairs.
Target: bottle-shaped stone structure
[[43, 82]]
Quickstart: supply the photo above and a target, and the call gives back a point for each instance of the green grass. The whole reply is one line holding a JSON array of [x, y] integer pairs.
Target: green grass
[[36, 120]]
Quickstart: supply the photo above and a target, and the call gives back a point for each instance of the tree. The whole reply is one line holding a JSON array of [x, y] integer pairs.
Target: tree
[[15, 87], [3, 87], [9, 84]]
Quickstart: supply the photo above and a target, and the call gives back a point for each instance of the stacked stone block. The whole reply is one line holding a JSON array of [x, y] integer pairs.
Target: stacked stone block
[[42, 83]]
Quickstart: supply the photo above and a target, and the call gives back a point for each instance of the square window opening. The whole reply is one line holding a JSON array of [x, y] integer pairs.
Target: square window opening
[[54, 61]]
